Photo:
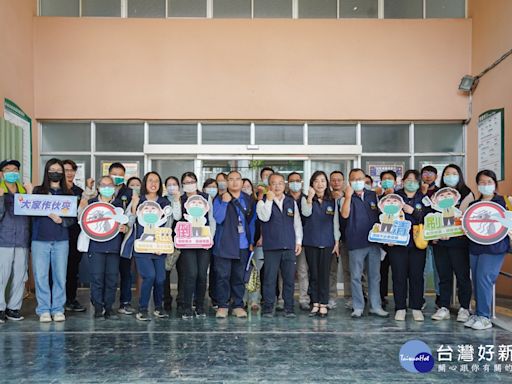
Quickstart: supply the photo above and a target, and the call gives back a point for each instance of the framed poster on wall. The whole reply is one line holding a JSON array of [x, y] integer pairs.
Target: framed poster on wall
[[491, 141], [132, 168]]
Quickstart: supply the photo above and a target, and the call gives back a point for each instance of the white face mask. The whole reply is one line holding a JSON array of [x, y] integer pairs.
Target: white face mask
[[171, 189], [247, 190], [188, 188], [295, 186]]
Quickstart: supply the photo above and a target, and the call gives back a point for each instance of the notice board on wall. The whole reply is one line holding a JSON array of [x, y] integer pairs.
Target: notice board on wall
[[491, 141]]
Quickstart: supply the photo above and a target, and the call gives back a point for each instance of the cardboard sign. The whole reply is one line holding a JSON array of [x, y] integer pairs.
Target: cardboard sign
[[194, 233], [446, 222], [155, 239], [486, 222], [393, 228], [43, 205], [101, 221]]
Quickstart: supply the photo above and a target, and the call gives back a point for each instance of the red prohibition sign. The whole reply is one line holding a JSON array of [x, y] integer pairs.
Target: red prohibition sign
[[98, 223], [480, 226]]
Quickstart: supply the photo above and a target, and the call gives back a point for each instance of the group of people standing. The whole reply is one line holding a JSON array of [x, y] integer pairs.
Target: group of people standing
[[293, 232]]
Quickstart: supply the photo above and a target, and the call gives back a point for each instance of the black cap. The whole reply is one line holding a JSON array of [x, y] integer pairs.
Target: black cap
[[5, 163]]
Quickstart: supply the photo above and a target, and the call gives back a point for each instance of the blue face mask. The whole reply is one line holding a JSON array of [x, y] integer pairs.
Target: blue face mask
[[196, 211], [391, 209], [295, 186], [211, 191], [222, 185], [357, 185], [11, 177], [451, 180], [150, 218], [486, 190], [411, 186], [446, 203], [107, 192], [118, 180], [387, 184]]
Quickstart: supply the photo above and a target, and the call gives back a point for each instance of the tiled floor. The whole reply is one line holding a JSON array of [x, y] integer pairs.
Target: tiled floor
[[337, 349]]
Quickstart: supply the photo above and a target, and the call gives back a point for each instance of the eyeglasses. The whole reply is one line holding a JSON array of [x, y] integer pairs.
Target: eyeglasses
[[428, 173]]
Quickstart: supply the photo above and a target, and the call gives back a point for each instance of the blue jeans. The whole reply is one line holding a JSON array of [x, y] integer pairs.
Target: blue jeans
[[151, 269], [230, 285], [103, 269], [357, 260], [485, 269], [44, 255]]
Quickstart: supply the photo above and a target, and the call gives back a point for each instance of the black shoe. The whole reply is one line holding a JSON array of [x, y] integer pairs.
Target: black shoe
[[75, 306], [98, 313], [111, 315], [143, 316], [289, 315], [200, 313], [160, 313], [187, 315], [13, 314], [2, 317]]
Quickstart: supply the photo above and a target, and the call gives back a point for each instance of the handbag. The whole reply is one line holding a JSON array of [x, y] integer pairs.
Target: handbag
[[82, 244], [418, 236], [252, 277]]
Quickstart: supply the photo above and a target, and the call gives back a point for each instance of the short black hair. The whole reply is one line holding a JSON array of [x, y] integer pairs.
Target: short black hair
[[368, 176], [388, 172], [429, 168], [414, 172], [116, 165], [294, 173], [172, 178], [192, 175], [208, 182], [335, 172], [488, 173], [72, 163], [354, 170], [266, 169], [132, 179]]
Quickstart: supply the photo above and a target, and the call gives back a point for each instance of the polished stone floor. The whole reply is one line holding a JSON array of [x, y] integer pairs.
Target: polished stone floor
[[337, 349]]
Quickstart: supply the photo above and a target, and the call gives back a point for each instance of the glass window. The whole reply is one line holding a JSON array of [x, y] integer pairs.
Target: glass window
[[66, 137], [60, 8], [173, 134], [318, 9], [134, 165], [146, 8], [232, 8], [336, 134], [373, 166], [187, 8], [226, 134], [274, 134], [438, 138], [359, 8], [385, 138], [446, 8], [331, 165], [116, 137], [273, 8], [403, 9], [212, 167], [438, 161], [108, 8], [82, 161], [174, 167]]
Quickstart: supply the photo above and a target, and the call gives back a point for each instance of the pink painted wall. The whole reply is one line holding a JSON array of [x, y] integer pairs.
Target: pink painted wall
[[250, 69]]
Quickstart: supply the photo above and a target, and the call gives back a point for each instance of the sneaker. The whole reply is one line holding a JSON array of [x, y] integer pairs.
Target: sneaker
[[143, 316], [110, 315], [348, 304], [417, 315], [187, 315], [98, 313], [379, 312], [126, 309], [289, 315], [280, 305], [441, 314], [400, 315], [160, 313], [13, 314], [304, 306], [200, 314], [239, 313], [331, 304], [222, 313], [74, 306], [463, 315], [59, 316], [472, 319], [482, 323], [45, 318], [357, 313], [2, 317]]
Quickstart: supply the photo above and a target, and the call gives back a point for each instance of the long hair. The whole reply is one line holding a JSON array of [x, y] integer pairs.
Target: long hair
[[143, 190], [44, 188], [461, 185], [314, 176]]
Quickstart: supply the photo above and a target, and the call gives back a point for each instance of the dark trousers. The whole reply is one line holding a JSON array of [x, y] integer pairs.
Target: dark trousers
[[181, 283], [319, 267], [211, 281], [407, 266], [384, 276], [167, 291], [125, 285], [103, 271], [229, 275], [152, 271], [284, 260], [194, 268], [450, 260], [74, 258]]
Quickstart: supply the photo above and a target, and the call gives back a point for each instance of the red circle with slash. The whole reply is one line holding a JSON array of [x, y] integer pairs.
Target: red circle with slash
[[94, 220], [477, 221]]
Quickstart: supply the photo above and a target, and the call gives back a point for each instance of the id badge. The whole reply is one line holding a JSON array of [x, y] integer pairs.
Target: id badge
[[240, 228]]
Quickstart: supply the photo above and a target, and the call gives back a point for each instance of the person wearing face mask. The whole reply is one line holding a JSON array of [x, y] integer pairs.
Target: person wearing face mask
[[74, 256], [194, 262], [14, 242], [452, 255], [262, 188], [360, 211], [50, 246], [134, 183], [321, 239], [368, 183], [104, 257], [486, 260], [408, 263], [210, 188], [172, 186], [222, 183]]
